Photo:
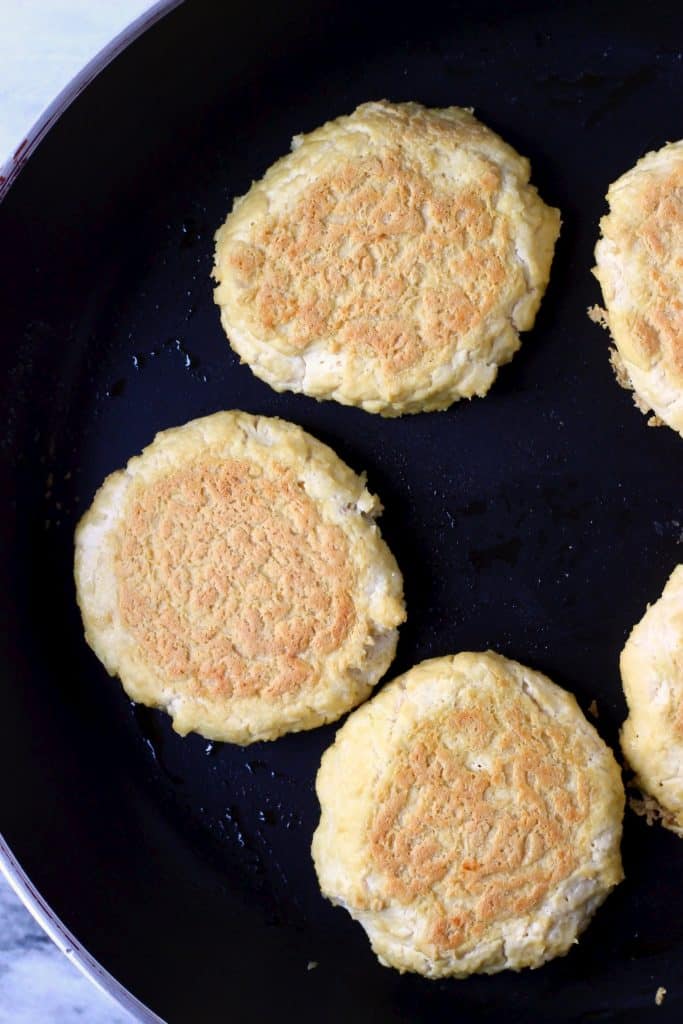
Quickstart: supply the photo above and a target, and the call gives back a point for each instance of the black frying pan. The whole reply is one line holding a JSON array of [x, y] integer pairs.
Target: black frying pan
[[539, 521]]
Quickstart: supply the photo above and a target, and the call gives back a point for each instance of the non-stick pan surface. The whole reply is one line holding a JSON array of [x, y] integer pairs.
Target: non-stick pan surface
[[539, 521]]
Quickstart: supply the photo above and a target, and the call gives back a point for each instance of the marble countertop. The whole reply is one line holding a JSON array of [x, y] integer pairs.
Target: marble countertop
[[43, 44], [38, 985]]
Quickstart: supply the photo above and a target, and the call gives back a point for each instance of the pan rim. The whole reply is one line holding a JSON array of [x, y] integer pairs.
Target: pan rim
[[12, 167], [41, 911], [10, 867]]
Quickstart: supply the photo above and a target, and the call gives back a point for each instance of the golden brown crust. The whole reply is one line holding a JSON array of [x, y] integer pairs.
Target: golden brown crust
[[480, 827], [441, 822], [230, 578], [640, 269], [652, 677], [232, 574], [388, 261], [372, 214]]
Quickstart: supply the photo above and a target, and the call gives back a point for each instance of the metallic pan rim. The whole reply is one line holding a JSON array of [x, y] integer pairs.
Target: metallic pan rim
[[10, 170], [10, 867], [66, 941]]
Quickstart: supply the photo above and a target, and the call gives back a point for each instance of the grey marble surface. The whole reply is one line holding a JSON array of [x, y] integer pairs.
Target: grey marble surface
[[38, 985], [43, 44]]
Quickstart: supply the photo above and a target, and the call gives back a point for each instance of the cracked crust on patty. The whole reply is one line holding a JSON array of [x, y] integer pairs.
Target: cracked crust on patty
[[652, 677], [470, 818], [639, 264], [389, 261], [233, 575]]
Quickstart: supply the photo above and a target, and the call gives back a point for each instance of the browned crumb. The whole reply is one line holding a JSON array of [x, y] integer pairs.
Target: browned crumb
[[593, 709], [619, 370], [654, 421], [599, 316], [645, 807], [659, 995], [624, 381]]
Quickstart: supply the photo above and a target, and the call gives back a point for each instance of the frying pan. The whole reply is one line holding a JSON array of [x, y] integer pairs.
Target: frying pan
[[539, 521]]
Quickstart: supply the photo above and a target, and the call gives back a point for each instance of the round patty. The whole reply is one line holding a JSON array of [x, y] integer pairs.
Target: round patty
[[388, 262], [233, 575], [470, 818], [640, 269], [652, 677]]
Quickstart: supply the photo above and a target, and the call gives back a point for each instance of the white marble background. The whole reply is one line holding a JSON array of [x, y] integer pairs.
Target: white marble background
[[38, 985], [43, 44]]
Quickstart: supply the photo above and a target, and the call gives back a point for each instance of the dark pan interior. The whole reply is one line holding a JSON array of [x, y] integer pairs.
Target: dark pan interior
[[539, 521]]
